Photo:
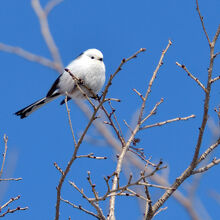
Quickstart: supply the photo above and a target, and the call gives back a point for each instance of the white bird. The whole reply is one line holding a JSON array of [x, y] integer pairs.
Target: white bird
[[88, 67]]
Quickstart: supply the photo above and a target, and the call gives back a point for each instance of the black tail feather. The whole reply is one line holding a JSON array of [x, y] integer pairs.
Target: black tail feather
[[23, 113]]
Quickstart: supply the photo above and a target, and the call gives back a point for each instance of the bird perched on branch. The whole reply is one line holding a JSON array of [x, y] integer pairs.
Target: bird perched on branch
[[87, 67]]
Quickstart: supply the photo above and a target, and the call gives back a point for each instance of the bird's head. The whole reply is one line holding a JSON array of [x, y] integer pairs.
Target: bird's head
[[94, 54]]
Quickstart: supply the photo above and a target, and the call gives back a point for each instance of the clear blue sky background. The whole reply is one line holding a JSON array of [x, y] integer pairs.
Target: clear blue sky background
[[118, 29]]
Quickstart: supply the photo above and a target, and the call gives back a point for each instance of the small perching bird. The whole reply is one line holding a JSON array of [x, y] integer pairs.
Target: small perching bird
[[88, 67]]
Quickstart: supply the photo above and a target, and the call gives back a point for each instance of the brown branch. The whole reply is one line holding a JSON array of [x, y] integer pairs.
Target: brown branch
[[4, 154], [208, 151], [121, 189], [191, 75], [13, 210], [116, 120], [79, 81], [215, 79], [148, 209], [139, 94], [207, 167], [10, 201], [28, 56], [58, 168], [73, 158], [216, 54], [217, 110], [191, 167], [168, 121], [94, 204], [216, 38], [70, 123], [92, 185], [152, 80], [93, 117], [45, 30], [202, 22], [80, 208], [112, 141], [115, 183], [153, 111]]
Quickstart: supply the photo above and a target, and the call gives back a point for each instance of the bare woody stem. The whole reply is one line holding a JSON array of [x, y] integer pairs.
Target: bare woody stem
[[42, 15], [4, 154], [115, 183], [189, 171], [93, 117]]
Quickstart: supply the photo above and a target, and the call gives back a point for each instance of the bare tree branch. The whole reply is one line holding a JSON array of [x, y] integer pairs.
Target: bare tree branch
[[10, 210], [80, 208], [215, 79], [207, 167], [194, 162], [4, 154], [42, 16], [193, 77], [202, 22], [168, 121], [115, 183], [50, 5], [93, 117], [28, 56]]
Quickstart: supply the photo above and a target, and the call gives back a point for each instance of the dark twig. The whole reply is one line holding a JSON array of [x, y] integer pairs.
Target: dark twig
[[80, 208], [202, 22]]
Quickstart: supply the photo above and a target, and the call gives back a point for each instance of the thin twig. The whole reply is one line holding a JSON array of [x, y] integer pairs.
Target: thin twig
[[207, 167], [139, 94], [167, 121], [92, 185], [153, 111], [11, 179], [80, 208], [191, 167], [58, 168], [13, 210], [191, 75], [116, 120], [70, 123], [10, 201], [28, 56], [91, 156], [45, 30], [111, 215], [79, 81], [50, 5], [215, 79], [160, 210], [94, 204], [93, 117], [208, 151], [112, 141], [4, 154], [202, 22]]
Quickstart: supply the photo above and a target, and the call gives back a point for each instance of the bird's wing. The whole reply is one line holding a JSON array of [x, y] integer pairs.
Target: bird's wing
[[54, 87]]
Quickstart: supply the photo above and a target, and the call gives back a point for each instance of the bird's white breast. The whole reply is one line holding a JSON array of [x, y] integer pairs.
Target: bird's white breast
[[91, 72]]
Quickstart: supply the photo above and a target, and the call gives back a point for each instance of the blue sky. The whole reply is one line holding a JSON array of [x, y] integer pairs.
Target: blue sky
[[118, 29]]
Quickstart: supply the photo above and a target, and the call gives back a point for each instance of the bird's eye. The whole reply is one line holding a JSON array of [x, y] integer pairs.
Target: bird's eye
[[92, 57], [100, 59]]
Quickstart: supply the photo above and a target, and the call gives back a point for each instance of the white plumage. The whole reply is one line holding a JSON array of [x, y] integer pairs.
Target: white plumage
[[88, 67]]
